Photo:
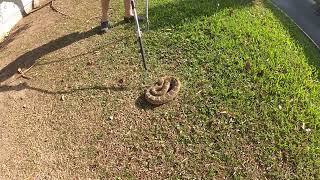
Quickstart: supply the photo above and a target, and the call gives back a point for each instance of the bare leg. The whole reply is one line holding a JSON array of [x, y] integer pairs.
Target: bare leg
[[105, 8], [127, 8]]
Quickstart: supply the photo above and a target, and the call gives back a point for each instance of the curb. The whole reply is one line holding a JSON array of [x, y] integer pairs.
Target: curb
[[305, 33]]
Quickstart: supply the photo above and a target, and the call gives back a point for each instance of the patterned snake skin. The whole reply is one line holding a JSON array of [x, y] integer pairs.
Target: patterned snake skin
[[164, 91]]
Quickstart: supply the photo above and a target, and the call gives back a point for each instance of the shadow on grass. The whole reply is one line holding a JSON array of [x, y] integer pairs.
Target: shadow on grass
[[142, 103], [175, 13], [13, 35], [58, 60], [310, 50], [179, 12], [23, 86], [29, 58]]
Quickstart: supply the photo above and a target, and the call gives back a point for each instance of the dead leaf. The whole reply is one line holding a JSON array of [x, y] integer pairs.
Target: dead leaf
[[231, 12], [248, 66], [90, 63], [260, 73], [121, 81]]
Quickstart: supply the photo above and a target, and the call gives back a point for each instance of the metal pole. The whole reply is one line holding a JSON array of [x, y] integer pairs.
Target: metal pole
[[147, 13], [139, 35]]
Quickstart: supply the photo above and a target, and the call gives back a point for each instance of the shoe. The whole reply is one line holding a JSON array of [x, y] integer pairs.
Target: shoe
[[104, 26], [130, 19]]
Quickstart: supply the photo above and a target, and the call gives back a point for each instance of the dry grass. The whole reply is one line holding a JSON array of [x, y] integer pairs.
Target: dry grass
[[76, 137]]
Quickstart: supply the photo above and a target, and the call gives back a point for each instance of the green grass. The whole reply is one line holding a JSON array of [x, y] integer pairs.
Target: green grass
[[263, 107]]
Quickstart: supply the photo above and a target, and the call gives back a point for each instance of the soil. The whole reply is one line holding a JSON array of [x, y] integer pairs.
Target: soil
[[72, 119]]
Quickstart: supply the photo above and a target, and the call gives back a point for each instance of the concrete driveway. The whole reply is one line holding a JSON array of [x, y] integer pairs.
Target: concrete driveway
[[303, 14]]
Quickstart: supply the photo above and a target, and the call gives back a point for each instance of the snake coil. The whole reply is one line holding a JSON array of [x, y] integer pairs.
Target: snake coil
[[163, 91]]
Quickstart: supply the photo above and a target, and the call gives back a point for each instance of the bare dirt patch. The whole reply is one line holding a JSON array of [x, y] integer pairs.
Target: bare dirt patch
[[72, 119]]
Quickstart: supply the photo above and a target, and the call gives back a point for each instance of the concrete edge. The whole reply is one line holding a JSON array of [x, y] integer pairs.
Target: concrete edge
[[16, 16], [305, 33]]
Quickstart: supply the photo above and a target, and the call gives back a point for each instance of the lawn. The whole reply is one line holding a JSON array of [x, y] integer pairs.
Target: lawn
[[251, 89], [249, 107]]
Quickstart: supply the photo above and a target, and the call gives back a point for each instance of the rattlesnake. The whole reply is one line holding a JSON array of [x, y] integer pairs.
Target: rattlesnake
[[163, 91]]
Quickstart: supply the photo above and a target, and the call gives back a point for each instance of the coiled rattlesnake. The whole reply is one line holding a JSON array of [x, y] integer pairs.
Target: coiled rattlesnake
[[164, 91]]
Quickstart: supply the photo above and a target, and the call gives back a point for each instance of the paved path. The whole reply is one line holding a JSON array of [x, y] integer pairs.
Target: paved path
[[303, 13]]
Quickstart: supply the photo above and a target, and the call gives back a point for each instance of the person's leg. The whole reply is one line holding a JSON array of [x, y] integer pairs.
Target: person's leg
[[104, 16], [104, 9], [128, 13], [127, 8]]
